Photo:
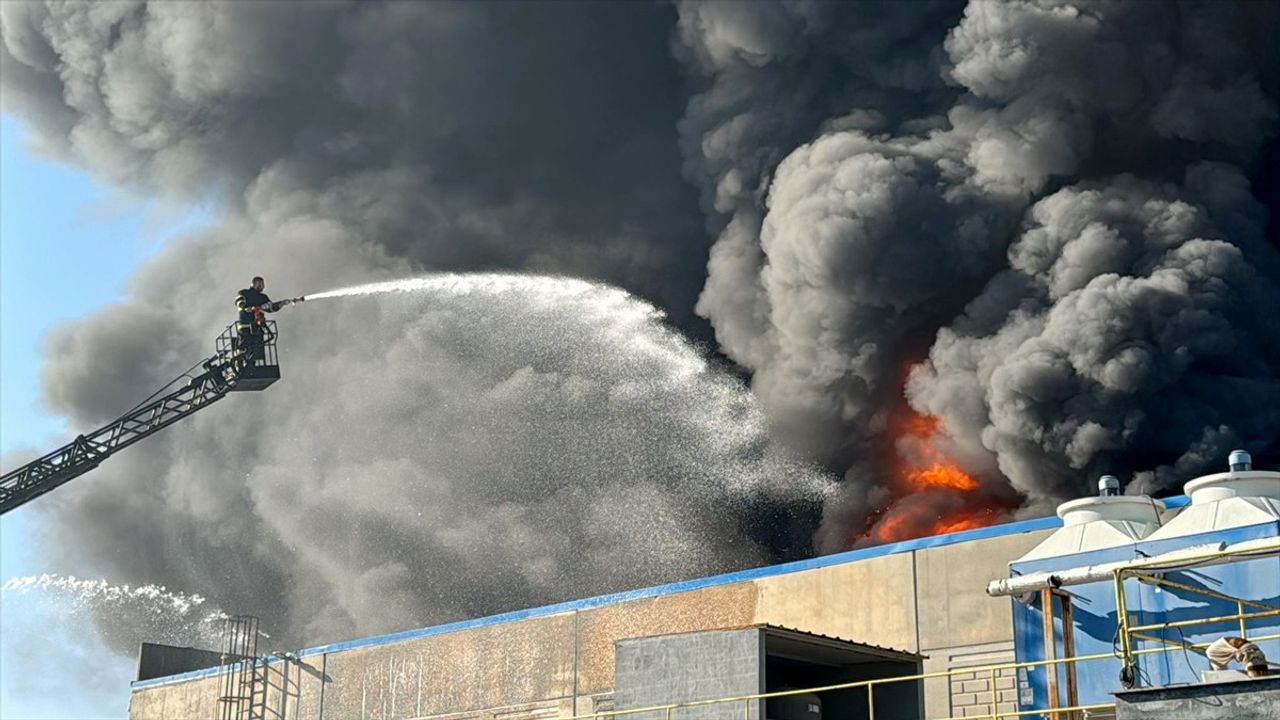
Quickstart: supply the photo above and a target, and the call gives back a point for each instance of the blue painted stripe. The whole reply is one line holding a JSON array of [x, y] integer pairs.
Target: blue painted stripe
[[993, 531]]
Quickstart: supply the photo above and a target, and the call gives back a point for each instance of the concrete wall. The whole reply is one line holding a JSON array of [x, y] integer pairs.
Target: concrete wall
[[968, 694], [599, 629], [960, 627], [499, 666], [694, 666], [1256, 699], [872, 601], [197, 700], [928, 600]]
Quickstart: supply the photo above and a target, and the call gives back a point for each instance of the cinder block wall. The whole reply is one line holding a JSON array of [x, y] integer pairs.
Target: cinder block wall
[[695, 666], [930, 601], [959, 626]]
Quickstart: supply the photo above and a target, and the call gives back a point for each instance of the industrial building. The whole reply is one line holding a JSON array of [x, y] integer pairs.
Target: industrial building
[[940, 627]]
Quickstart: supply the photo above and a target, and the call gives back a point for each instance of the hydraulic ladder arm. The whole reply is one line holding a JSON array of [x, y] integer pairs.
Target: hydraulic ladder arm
[[228, 370]]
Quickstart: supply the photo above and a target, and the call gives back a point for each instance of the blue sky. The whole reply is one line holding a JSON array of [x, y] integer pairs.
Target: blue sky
[[67, 247]]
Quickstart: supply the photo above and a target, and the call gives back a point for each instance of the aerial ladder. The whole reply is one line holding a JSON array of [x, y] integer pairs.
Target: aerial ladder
[[238, 365]]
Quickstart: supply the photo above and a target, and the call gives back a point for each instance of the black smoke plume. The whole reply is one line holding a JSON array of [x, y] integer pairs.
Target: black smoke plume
[[429, 456], [1042, 207], [1034, 221]]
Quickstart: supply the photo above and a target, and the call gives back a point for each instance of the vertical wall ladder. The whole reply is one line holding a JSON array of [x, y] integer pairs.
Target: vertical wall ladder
[[243, 689]]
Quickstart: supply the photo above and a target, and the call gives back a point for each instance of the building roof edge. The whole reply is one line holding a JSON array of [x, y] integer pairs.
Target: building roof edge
[[848, 556]]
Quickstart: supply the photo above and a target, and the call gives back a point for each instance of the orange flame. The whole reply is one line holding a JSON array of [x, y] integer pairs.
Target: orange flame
[[891, 528], [937, 470], [925, 469], [920, 426], [941, 474], [946, 525]]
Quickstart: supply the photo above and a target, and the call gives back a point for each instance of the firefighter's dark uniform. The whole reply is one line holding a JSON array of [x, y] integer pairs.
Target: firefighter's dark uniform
[[248, 330]]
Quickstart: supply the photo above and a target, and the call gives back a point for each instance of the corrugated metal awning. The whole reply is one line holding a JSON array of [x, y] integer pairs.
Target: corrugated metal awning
[[831, 650]]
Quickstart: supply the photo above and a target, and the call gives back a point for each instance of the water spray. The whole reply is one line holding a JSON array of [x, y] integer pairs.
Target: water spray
[[460, 284], [154, 610]]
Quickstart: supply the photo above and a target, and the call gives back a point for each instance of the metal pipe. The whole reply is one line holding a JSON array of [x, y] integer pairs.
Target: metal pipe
[[845, 686], [1166, 582], [1178, 645], [1122, 621], [911, 678], [1192, 556], [1199, 556], [1152, 638], [995, 698], [1023, 713], [1204, 621]]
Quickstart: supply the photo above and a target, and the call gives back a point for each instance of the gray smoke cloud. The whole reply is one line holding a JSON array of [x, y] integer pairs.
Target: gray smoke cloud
[[1126, 328], [1033, 221], [892, 225], [464, 135], [441, 454], [422, 461]]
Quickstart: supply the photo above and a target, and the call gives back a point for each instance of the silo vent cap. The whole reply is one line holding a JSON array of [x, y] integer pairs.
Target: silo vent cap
[[1108, 486], [1240, 461]]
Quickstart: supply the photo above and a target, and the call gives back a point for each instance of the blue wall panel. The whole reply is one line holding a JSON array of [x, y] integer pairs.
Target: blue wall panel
[[1095, 618], [1094, 615], [1254, 580]]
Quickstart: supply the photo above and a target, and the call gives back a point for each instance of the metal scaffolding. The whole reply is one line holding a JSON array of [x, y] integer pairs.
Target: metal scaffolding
[[1152, 573]]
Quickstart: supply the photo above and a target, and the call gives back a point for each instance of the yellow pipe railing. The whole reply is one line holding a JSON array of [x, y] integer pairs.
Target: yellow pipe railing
[[1024, 713], [1128, 633], [1126, 655], [1166, 582], [1204, 621], [668, 709], [871, 684]]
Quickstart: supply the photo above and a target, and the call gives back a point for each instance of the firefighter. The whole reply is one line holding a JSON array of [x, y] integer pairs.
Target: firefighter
[[252, 325]]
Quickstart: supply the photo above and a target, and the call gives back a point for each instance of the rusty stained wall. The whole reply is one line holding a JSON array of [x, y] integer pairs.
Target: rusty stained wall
[[511, 665], [292, 690], [523, 670], [497, 666], [713, 608], [196, 700]]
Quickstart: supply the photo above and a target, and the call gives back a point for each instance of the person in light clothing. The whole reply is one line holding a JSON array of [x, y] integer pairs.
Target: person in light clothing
[[1223, 650]]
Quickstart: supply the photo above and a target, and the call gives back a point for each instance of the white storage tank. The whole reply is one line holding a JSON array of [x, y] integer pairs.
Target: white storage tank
[[1239, 508], [1109, 520], [1237, 498]]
